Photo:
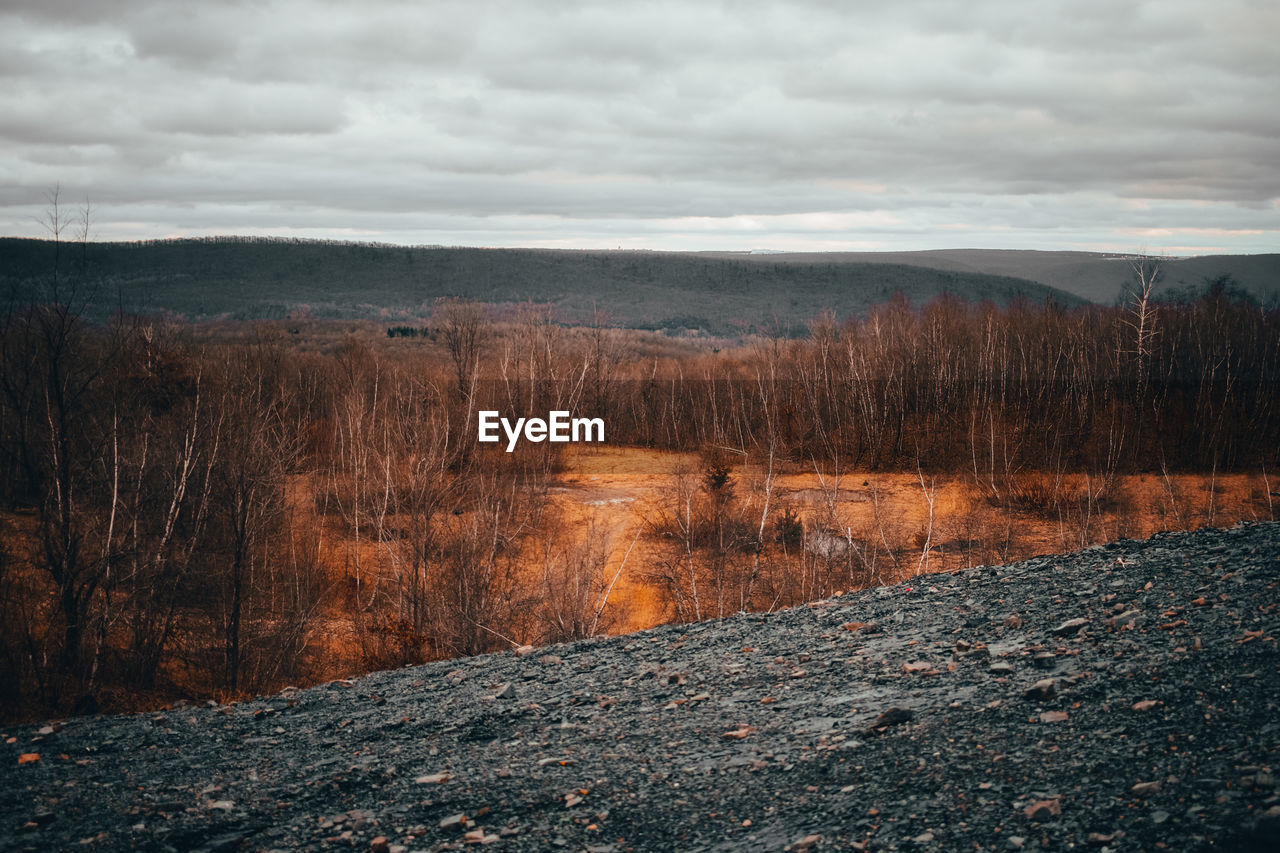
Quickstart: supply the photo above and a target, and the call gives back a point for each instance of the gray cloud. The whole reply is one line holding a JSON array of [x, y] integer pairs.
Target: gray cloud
[[683, 125]]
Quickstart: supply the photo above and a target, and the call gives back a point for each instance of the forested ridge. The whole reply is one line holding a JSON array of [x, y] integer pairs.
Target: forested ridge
[[264, 278]]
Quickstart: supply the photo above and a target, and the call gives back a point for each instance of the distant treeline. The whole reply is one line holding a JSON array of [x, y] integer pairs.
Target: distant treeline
[[169, 506], [276, 278]]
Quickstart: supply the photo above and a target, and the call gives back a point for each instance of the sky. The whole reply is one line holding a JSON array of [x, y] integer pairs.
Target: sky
[[804, 126]]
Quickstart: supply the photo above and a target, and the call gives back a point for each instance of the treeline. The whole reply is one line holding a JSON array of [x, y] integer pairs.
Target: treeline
[[183, 517], [954, 387], [268, 278]]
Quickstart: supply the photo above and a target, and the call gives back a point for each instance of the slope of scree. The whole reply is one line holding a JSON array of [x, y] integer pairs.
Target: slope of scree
[[1114, 699]]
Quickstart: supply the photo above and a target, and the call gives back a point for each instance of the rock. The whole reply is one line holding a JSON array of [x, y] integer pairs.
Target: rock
[[805, 843], [1041, 691], [1013, 620], [1143, 789], [1145, 705], [506, 691], [1042, 810], [891, 717], [433, 778], [1000, 667], [28, 758], [380, 845], [1044, 660], [1015, 842], [453, 821], [1122, 619], [1053, 717], [1071, 626]]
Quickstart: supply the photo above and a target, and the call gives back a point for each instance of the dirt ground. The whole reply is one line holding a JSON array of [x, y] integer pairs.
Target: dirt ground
[[617, 494], [621, 490]]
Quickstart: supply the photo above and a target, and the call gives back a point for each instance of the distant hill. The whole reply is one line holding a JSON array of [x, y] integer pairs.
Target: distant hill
[[252, 278], [1094, 276]]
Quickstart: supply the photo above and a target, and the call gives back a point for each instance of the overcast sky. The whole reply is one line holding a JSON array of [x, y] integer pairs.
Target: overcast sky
[[690, 125]]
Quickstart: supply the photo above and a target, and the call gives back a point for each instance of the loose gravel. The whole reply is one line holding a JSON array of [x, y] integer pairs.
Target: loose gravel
[[1120, 698]]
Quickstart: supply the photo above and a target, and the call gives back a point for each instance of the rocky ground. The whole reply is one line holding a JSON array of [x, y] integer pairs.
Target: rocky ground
[[1122, 698]]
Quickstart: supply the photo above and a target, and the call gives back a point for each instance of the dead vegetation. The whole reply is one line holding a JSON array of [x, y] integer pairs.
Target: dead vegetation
[[197, 512]]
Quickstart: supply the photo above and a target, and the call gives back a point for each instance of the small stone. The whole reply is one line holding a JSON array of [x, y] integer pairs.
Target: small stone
[[521, 651], [924, 837], [1053, 717], [433, 778], [1145, 705], [805, 843], [506, 691], [1015, 842], [917, 666], [1143, 789], [1044, 660], [380, 845], [1158, 817], [550, 660], [453, 820], [1071, 626], [1013, 620], [1122, 619], [1000, 667], [28, 758], [739, 733], [1041, 690], [1042, 810], [894, 716]]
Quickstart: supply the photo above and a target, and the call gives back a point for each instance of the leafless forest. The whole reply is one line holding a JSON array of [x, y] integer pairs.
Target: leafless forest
[[194, 511]]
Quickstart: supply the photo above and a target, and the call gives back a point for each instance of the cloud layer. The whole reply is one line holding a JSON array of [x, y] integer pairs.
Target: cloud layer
[[816, 125]]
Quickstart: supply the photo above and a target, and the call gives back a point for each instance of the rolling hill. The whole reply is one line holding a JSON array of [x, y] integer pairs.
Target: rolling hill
[[1094, 276], [250, 278]]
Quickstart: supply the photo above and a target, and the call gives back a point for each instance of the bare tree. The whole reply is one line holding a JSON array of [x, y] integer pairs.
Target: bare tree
[[462, 325]]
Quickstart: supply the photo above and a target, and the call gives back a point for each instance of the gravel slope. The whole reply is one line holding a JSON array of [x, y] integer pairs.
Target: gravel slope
[[904, 718]]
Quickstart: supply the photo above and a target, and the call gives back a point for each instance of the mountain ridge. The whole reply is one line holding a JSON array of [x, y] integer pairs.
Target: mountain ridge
[[243, 278]]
